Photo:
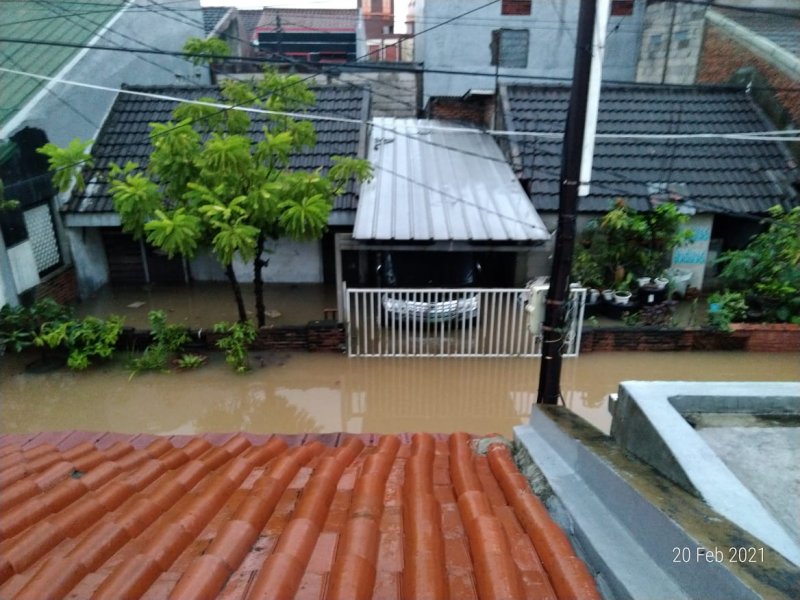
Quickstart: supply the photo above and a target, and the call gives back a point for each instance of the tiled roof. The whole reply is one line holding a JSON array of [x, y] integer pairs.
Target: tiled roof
[[124, 136], [719, 175], [43, 21], [784, 31], [304, 19], [212, 15], [129, 517]]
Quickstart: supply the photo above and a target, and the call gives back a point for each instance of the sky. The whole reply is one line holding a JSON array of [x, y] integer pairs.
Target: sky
[[400, 6]]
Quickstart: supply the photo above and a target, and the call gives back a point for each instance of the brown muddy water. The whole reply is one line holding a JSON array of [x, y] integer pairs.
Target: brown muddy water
[[293, 393]]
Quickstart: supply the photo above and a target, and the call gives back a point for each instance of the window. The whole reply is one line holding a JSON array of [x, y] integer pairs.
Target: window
[[516, 7], [682, 38], [376, 6], [621, 8], [510, 48]]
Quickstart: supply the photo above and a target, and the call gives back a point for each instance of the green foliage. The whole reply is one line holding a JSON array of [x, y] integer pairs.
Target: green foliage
[[67, 164], [167, 340], [84, 339], [191, 361], [19, 325], [725, 308], [767, 271], [237, 337], [206, 51], [209, 187], [586, 269], [625, 243]]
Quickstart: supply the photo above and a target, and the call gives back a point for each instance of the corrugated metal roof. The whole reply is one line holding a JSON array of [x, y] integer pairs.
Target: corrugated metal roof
[[43, 21], [719, 175], [431, 184]]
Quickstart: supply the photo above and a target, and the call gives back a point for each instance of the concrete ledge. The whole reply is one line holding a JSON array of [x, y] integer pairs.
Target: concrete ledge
[[629, 521], [649, 426]]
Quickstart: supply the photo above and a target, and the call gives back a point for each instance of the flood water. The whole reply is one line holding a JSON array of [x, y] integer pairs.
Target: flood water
[[293, 393]]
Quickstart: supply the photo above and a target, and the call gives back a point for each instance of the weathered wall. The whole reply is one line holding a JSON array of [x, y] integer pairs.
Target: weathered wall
[[61, 285], [463, 45], [722, 56], [681, 36], [89, 258]]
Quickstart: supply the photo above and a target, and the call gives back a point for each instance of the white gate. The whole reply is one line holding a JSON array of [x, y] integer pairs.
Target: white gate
[[454, 321]]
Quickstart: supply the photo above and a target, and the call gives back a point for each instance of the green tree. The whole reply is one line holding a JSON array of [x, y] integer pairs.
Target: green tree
[[767, 271], [209, 186]]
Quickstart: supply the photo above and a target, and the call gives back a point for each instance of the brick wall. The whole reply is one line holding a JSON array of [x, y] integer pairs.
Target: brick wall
[[722, 57], [61, 285], [749, 337], [768, 337], [475, 110], [316, 336]]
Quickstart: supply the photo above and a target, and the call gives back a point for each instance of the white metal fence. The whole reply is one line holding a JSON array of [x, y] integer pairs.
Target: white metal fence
[[454, 321]]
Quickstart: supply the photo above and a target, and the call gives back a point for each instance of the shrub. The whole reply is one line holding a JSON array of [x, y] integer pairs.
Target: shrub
[[234, 342], [84, 339]]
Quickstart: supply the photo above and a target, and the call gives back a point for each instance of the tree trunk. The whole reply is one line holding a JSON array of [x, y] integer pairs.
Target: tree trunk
[[237, 292], [259, 264]]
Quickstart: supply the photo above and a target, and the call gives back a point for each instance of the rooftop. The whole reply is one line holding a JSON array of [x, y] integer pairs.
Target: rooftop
[[308, 19], [783, 31], [212, 15], [717, 174], [125, 136], [333, 516], [40, 21], [433, 184]]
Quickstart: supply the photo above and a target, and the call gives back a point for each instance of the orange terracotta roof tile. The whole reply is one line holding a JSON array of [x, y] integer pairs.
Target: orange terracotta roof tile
[[240, 516]]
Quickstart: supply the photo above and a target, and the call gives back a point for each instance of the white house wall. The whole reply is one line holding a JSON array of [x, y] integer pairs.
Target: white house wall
[[694, 256], [89, 255], [23, 266], [463, 45], [289, 262]]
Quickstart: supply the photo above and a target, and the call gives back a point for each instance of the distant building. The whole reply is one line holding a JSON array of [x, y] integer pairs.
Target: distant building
[[535, 40], [381, 43], [308, 35]]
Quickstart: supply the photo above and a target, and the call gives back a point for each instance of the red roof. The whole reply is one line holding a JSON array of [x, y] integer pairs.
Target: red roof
[[275, 517]]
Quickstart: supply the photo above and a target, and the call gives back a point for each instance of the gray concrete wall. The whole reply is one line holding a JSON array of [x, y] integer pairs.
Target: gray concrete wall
[[289, 262], [89, 258], [463, 45], [681, 36]]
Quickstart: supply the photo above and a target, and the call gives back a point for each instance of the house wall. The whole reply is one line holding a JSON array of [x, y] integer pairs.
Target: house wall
[[694, 256], [89, 258], [23, 266], [463, 45], [289, 262], [674, 28]]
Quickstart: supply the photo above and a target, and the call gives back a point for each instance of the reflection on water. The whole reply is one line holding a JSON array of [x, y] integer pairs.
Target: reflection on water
[[294, 393]]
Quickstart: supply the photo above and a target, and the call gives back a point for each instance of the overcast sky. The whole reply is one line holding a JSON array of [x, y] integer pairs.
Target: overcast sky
[[400, 6]]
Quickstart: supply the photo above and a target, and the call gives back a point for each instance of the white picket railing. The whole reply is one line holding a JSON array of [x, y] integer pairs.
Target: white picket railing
[[450, 322]]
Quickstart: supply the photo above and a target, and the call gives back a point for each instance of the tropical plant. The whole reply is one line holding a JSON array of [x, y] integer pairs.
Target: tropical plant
[[166, 340], [235, 339], [767, 271], [191, 361], [19, 325], [209, 187], [725, 308], [625, 243], [84, 339], [67, 163]]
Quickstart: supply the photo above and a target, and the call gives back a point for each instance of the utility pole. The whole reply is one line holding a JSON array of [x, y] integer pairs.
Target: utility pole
[[553, 326]]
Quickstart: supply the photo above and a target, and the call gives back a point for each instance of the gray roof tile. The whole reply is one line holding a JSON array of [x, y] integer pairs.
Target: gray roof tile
[[721, 174], [124, 137]]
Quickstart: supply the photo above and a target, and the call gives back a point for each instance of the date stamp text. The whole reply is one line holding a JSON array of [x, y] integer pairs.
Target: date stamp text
[[731, 554]]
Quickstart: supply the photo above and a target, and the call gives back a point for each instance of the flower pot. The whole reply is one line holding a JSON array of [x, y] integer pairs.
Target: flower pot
[[608, 295], [622, 297], [661, 282], [643, 281], [594, 296], [680, 279]]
